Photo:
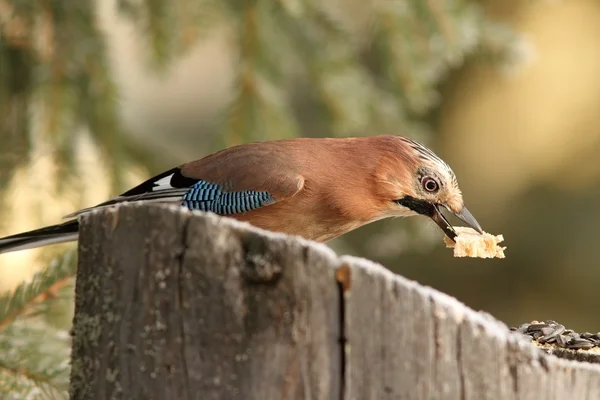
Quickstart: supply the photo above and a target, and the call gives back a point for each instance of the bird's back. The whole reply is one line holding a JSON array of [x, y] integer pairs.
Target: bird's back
[[325, 185]]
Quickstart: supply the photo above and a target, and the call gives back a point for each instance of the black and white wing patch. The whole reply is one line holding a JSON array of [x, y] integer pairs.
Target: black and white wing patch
[[195, 194]]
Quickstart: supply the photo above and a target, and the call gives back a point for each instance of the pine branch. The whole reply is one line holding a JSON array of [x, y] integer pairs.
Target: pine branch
[[34, 353], [43, 287], [171, 28], [34, 359], [242, 116], [64, 58]]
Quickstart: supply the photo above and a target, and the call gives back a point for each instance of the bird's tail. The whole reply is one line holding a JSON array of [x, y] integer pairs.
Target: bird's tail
[[59, 233]]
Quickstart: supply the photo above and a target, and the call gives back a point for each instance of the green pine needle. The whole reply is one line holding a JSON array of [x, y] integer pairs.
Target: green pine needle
[[34, 361], [34, 353], [30, 295]]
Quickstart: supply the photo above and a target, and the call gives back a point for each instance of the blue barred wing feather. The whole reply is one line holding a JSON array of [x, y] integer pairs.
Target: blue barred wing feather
[[195, 194], [206, 196]]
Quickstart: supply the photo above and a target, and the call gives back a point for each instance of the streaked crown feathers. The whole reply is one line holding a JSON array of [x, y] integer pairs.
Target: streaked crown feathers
[[427, 155]]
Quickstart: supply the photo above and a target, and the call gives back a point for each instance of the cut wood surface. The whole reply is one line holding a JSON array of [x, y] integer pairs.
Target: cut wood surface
[[178, 305]]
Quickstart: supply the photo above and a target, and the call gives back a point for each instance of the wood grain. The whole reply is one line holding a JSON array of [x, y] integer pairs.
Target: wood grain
[[178, 305], [406, 341], [175, 306]]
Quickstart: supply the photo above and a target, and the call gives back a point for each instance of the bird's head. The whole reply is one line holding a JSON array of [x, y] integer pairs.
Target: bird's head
[[420, 182]]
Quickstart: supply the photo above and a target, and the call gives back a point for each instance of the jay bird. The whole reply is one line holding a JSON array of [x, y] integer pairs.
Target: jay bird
[[315, 188]]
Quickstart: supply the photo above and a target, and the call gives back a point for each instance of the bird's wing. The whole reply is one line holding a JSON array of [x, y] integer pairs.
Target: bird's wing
[[217, 184]]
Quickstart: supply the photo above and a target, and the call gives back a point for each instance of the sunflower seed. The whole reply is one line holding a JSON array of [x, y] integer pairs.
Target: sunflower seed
[[535, 327], [562, 340], [551, 332], [579, 344]]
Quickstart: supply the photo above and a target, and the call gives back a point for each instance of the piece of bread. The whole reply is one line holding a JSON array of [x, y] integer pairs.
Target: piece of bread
[[470, 243]]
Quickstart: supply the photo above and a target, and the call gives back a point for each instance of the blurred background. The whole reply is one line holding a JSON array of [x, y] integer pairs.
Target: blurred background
[[96, 96]]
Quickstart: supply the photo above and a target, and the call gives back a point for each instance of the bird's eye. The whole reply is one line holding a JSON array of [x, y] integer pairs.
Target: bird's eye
[[430, 184]]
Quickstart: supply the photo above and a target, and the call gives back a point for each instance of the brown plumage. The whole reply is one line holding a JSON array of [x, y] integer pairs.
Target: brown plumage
[[315, 188], [324, 187]]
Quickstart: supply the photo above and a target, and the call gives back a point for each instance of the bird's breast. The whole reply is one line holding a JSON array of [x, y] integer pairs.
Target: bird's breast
[[314, 222]]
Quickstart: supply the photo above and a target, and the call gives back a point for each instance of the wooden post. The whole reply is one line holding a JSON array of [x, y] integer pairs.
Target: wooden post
[[175, 305]]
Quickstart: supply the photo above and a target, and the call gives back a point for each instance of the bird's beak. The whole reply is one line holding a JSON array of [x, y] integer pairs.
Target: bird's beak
[[442, 222], [432, 210], [468, 218], [464, 215]]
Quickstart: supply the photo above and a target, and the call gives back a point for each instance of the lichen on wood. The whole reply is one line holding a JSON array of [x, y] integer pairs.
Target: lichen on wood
[[174, 304]]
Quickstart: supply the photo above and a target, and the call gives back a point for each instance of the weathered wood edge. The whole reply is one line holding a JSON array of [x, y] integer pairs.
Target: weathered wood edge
[[439, 369], [441, 348], [171, 304]]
